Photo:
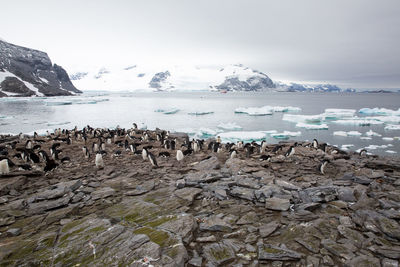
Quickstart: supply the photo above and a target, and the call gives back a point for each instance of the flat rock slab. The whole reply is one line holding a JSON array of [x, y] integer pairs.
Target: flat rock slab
[[267, 229], [278, 204], [242, 192], [219, 253], [103, 193], [188, 193], [274, 253], [141, 189], [215, 224]]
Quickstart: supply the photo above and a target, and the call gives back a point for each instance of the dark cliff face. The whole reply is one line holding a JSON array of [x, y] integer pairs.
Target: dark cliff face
[[27, 72]]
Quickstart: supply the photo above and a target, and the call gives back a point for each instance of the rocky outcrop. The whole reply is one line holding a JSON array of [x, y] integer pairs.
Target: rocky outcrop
[[206, 210], [28, 72], [159, 80], [258, 82]]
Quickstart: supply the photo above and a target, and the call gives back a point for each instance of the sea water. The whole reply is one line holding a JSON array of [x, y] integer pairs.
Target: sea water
[[351, 121]]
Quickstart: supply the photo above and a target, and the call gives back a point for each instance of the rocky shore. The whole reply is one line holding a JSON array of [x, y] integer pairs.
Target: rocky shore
[[206, 210]]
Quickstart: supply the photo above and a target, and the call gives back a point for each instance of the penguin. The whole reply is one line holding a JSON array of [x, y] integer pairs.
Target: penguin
[[99, 161], [109, 141], [4, 168], [323, 147], [134, 126], [43, 155], [290, 152], [219, 139], [25, 156], [152, 159], [144, 153], [50, 165], [173, 144], [363, 152], [25, 167], [28, 144], [35, 135], [276, 148], [322, 165], [232, 154], [95, 147], [195, 147], [249, 150], [164, 154], [239, 144], [37, 147], [117, 153], [65, 159], [103, 146], [315, 144], [167, 144], [263, 146], [33, 157], [179, 155], [265, 158]]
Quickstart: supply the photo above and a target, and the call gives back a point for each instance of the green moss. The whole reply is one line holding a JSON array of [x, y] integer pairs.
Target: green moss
[[66, 236], [220, 254], [23, 251], [160, 221], [49, 241], [159, 237], [272, 250], [70, 225], [97, 229]]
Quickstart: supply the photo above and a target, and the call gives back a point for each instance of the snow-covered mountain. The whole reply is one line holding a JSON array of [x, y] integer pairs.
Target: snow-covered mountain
[[173, 78], [313, 88]]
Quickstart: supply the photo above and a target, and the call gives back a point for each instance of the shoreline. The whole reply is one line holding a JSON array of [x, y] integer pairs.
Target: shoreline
[[206, 209]]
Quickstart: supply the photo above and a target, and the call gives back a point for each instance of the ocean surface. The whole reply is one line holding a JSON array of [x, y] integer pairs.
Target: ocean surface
[[352, 125]]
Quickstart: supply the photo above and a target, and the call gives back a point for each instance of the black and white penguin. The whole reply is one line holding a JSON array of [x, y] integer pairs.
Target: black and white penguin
[[232, 154], [144, 154], [35, 135], [239, 144], [219, 139], [167, 144], [290, 152], [25, 167], [152, 159], [265, 158], [315, 144], [50, 165], [323, 147], [117, 153], [25, 155], [363, 152], [173, 144], [276, 148], [179, 155], [263, 146], [43, 155], [4, 168], [28, 144], [33, 157], [322, 165], [95, 147], [99, 161], [164, 154]]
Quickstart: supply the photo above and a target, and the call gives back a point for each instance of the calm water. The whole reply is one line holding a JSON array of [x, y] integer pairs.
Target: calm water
[[109, 110]]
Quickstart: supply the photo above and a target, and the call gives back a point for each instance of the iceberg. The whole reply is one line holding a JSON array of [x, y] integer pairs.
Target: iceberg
[[266, 110], [167, 111], [335, 113], [346, 147], [199, 113], [392, 127], [245, 136], [350, 133], [308, 126], [358, 121], [205, 133], [285, 135], [230, 126], [390, 151], [387, 138], [373, 147], [372, 133], [379, 111], [340, 133], [385, 119], [304, 118], [365, 138]]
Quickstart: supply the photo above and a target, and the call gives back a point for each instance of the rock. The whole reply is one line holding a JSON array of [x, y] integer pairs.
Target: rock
[[42, 206], [247, 182], [208, 164], [141, 189], [267, 229], [353, 236], [249, 218], [180, 183], [268, 252], [188, 194], [3, 200], [277, 204], [309, 242], [346, 194], [183, 226], [14, 231], [269, 191], [218, 253], [321, 194], [194, 179], [312, 261], [195, 262], [364, 261], [286, 185], [103, 193], [215, 224], [392, 252], [340, 250], [242, 192], [203, 239], [389, 263]]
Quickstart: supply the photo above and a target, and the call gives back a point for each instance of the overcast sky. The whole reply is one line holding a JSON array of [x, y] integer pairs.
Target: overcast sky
[[352, 43]]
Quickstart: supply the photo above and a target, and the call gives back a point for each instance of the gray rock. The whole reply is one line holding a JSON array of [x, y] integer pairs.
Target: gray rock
[[218, 253], [268, 252], [103, 193], [277, 204], [195, 262], [390, 263], [247, 182], [242, 192], [363, 260], [340, 250], [46, 205], [215, 224], [180, 183], [183, 226], [286, 185], [321, 194], [208, 164], [267, 229], [4, 221], [204, 239], [188, 193], [346, 194], [141, 189], [14, 231]]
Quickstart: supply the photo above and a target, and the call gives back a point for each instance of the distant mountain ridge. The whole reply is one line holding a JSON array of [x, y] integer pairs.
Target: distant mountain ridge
[[28, 72]]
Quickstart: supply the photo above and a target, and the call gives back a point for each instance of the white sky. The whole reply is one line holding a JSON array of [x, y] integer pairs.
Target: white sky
[[352, 43]]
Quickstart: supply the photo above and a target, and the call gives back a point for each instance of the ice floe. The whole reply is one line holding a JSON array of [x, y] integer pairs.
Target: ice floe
[[392, 127], [245, 136], [358, 121], [230, 126], [167, 111], [56, 123], [372, 133], [373, 147], [346, 147], [334, 113], [266, 110], [199, 113], [303, 118], [350, 133], [365, 138], [390, 151], [379, 111], [285, 135], [308, 126], [387, 138]]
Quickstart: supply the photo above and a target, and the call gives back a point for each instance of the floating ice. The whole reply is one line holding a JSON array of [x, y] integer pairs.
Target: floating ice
[[205, 133], [365, 138], [390, 151], [392, 127], [58, 123], [58, 103], [308, 126], [303, 118], [334, 113], [340, 133], [387, 138], [230, 126], [346, 147], [358, 121], [167, 111], [245, 136], [285, 135], [372, 133], [353, 133], [5, 117], [373, 147], [379, 111], [266, 110], [199, 113]]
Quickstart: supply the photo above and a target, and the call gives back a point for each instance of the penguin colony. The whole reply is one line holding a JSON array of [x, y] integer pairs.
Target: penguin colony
[[45, 153]]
